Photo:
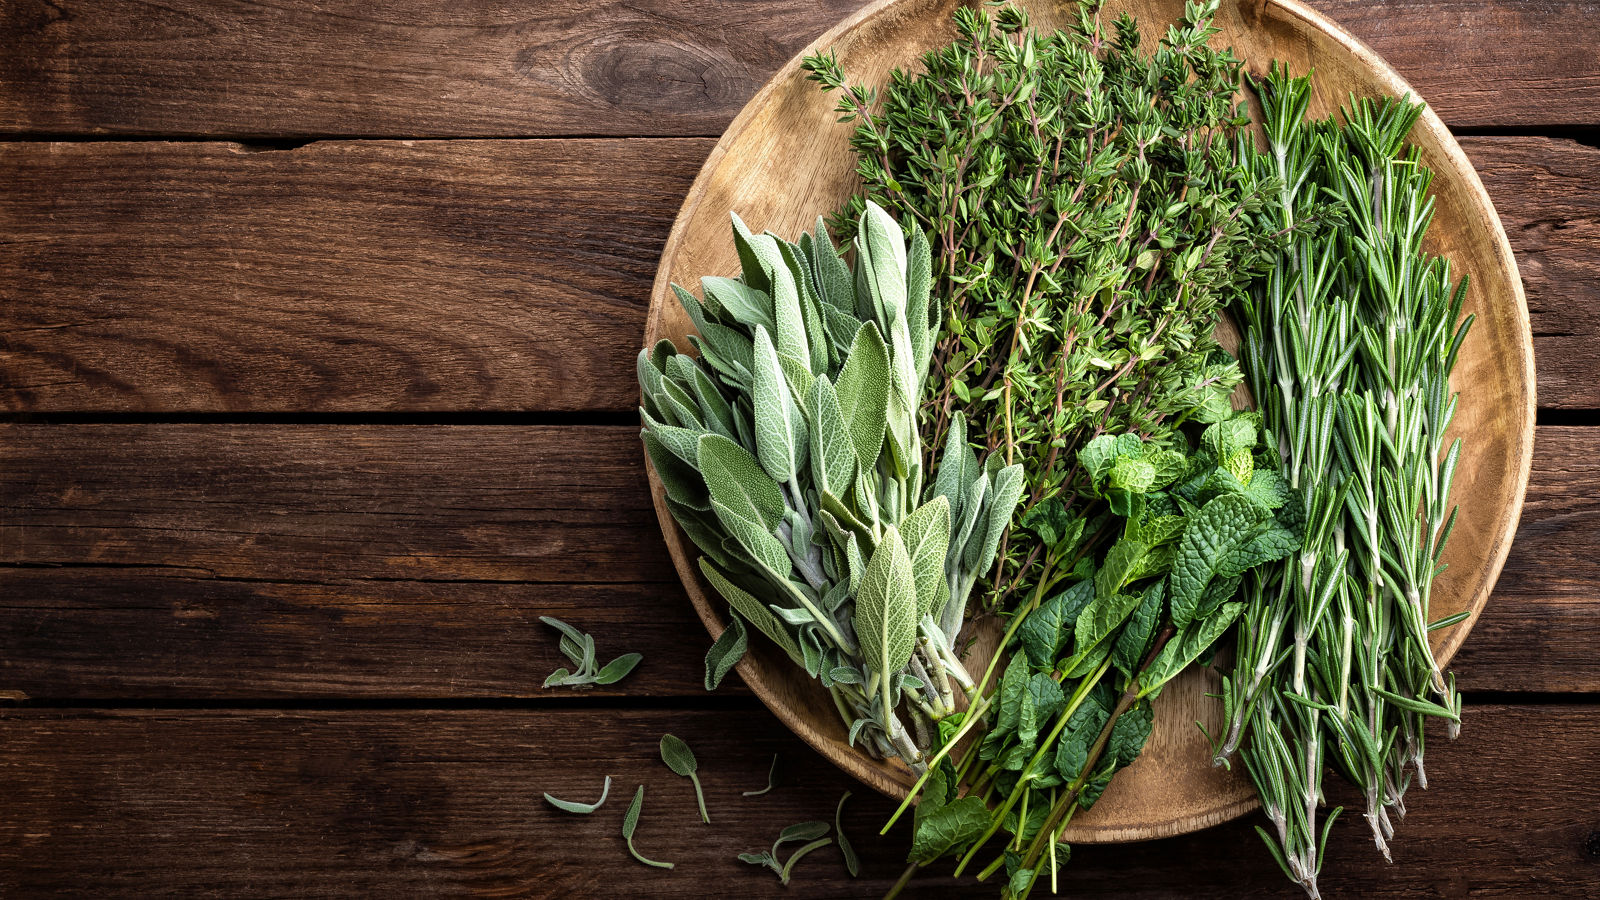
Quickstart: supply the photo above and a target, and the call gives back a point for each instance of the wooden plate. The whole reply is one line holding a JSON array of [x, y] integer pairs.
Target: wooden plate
[[784, 160]]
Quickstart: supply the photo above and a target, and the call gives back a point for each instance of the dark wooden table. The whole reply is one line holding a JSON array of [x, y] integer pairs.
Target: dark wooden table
[[317, 325]]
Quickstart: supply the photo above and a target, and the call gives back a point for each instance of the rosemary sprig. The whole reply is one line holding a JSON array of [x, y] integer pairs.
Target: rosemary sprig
[[1348, 348]]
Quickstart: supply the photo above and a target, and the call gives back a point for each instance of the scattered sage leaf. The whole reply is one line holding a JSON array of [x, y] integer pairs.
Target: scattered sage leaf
[[788, 867], [852, 864], [581, 808], [630, 822], [618, 668], [772, 774], [680, 759]]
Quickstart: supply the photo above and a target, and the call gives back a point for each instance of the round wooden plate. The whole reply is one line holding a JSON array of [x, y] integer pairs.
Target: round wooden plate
[[784, 160]]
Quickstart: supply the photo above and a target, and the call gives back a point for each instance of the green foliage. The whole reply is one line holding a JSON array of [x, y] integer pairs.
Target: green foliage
[[1089, 211], [581, 808], [630, 824], [812, 832], [578, 647], [1349, 343], [791, 457]]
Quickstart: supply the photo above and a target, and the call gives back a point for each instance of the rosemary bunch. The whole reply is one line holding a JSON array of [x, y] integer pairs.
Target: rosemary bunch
[[1090, 212], [790, 456], [1349, 343]]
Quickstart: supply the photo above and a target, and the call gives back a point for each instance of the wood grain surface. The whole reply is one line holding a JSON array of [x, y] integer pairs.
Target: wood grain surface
[[389, 562], [276, 650], [413, 68], [389, 276], [448, 803]]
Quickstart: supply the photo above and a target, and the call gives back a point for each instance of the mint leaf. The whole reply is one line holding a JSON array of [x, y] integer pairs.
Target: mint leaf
[[948, 827], [1219, 528]]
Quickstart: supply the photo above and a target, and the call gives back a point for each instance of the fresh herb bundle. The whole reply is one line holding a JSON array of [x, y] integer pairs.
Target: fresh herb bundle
[[1091, 211], [790, 455], [1073, 706], [1092, 208], [1349, 344]]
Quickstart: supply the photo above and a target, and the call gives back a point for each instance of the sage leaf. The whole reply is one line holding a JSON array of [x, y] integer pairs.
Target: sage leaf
[[833, 453], [556, 678], [566, 630], [581, 808], [886, 609], [1002, 503], [757, 542], [780, 430], [680, 759], [630, 822], [852, 864], [863, 389], [772, 779], [683, 484], [754, 268], [788, 867], [803, 831], [618, 668], [754, 611], [926, 533], [835, 287], [743, 303], [919, 316], [726, 652], [737, 481], [881, 266]]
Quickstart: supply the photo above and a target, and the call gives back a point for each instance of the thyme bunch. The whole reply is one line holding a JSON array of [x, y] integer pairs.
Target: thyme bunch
[[1090, 210]]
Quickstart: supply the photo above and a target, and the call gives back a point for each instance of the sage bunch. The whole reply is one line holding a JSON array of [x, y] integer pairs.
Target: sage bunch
[[791, 457], [1348, 348]]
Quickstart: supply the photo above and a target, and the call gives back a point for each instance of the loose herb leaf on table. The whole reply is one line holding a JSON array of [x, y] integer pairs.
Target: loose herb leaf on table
[[630, 823], [581, 808], [579, 647], [680, 759]]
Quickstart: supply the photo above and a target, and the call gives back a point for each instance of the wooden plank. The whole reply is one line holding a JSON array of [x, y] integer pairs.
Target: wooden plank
[[482, 275], [410, 803], [339, 276], [406, 68], [659, 67], [229, 562], [1541, 626], [1544, 189], [541, 505]]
